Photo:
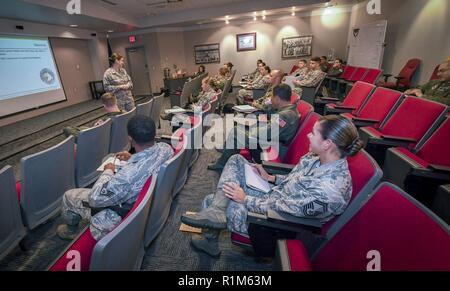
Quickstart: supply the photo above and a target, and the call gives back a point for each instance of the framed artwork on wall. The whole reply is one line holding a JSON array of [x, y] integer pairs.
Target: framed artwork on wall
[[207, 53], [296, 47], [246, 42]]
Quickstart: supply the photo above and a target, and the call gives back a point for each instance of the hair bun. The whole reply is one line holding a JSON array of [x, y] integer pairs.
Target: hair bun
[[354, 147]]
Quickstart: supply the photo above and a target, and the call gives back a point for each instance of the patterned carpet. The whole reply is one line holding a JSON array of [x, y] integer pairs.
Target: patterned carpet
[[171, 250]]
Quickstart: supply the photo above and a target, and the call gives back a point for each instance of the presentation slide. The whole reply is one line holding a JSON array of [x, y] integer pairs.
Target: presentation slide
[[29, 77]]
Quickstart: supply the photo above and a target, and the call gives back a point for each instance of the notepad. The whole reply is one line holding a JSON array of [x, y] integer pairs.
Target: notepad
[[244, 108], [254, 180], [175, 110], [187, 228], [118, 163], [289, 80]]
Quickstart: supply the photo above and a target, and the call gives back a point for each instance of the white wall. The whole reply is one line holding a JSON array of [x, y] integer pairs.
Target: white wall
[[164, 49], [416, 29]]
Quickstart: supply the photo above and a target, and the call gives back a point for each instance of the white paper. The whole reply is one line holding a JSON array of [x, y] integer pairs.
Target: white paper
[[118, 163], [289, 80], [244, 108], [254, 180], [175, 110]]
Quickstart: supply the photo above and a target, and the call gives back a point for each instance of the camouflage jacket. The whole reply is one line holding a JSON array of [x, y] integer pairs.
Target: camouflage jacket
[[312, 79], [311, 190], [437, 90], [112, 80], [203, 98], [124, 186]]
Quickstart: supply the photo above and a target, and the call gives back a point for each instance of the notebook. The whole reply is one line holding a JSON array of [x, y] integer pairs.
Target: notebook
[[175, 110], [244, 108], [254, 180], [118, 163]]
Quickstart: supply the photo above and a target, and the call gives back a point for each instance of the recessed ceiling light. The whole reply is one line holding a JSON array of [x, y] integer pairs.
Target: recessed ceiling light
[[227, 22], [264, 17], [73, 25], [110, 31]]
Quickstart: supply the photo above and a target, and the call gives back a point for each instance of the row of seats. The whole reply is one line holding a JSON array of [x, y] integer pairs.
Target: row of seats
[[124, 247], [407, 135], [350, 75], [350, 228], [37, 197]]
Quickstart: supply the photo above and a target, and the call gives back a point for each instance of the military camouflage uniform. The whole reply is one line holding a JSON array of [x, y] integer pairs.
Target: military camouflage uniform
[[75, 130], [262, 82], [114, 189], [300, 73], [112, 80], [310, 80], [437, 90], [203, 98], [287, 124], [219, 82], [311, 190], [255, 74], [264, 103]]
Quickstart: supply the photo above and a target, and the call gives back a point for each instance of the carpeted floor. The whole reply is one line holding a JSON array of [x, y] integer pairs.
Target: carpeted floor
[[171, 250]]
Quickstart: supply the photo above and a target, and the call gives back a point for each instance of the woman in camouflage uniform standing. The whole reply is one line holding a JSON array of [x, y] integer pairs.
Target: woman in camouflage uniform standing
[[118, 82]]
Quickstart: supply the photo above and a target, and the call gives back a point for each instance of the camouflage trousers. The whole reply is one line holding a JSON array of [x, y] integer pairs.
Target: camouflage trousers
[[299, 91], [73, 211], [236, 213], [125, 103]]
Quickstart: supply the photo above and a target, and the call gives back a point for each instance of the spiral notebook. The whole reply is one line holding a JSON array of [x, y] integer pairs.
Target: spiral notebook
[[254, 180]]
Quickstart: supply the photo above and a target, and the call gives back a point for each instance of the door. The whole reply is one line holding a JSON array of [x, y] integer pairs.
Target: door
[[137, 62]]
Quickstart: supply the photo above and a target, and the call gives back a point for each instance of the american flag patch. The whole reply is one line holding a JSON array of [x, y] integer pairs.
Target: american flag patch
[[281, 122]]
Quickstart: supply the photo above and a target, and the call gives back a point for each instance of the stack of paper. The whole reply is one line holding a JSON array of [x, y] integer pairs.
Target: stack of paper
[[244, 108], [289, 80], [174, 110], [112, 160]]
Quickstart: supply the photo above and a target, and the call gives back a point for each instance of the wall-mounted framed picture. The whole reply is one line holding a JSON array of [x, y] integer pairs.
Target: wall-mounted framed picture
[[207, 53], [246, 42], [296, 47]]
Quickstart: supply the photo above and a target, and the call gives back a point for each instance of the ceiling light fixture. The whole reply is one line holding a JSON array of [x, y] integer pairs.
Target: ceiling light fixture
[[227, 21], [73, 25]]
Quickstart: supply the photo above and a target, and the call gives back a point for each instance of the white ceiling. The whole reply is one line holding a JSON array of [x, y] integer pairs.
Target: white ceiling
[[130, 15]]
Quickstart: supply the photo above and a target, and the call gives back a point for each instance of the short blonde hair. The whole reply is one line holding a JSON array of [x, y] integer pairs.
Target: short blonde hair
[[109, 100]]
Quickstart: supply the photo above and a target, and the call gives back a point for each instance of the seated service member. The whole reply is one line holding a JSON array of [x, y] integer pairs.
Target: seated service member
[[255, 73], [115, 193], [319, 186], [109, 103], [324, 64], [262, 82], [287, 122], [264, 103], [312, 78], [436, 90], [302, 69]]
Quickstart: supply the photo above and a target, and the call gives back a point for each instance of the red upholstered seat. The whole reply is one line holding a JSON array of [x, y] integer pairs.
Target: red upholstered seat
[[348, 72], [434, 76], [294, 68], [406, 75], [413, 118], [358, 74], [406, 235], [238, 238], [18, 190], [298, 256], [304, 109], [378, 105], [371, 76], [356, 96]]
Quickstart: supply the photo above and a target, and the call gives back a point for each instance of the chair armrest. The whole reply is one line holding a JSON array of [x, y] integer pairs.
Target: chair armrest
[[392, 141], [399, 138], [439, 168], [281, 168], [344, 107], [386, 76], [167, 138], [431, 173], [329, 99], [284, 221], [399, 77], [359, 122]]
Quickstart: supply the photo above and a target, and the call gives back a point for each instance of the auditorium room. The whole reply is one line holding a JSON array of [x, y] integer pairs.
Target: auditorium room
[[224, 135]]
